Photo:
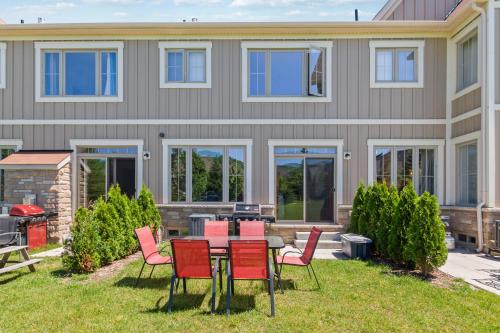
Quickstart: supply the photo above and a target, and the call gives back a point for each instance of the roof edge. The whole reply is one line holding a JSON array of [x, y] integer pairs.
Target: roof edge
[[386, 11]]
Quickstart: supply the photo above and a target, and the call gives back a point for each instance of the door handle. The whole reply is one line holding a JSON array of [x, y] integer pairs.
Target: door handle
[[334, 189]]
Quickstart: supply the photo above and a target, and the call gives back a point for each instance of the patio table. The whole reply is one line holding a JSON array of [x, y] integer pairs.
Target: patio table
[[220, 242]]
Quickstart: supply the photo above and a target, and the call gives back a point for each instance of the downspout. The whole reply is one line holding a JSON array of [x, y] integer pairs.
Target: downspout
[[479, 207]]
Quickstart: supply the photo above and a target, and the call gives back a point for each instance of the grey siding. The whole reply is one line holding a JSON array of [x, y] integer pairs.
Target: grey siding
[[355, 140], [468, 102], [352, 97], [497, 56], [423, 9], [466, 126], [497, 154]]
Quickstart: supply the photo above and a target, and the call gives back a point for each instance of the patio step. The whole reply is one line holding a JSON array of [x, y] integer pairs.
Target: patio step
[[322, 244], [333, 236]]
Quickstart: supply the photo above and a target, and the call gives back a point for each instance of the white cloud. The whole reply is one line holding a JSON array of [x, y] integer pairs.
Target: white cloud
[[120, 14], [310, 3], [197, 2], [47, 9], [294, 12], [114, 2]]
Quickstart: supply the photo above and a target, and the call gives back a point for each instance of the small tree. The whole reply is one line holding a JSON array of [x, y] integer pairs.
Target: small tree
[[358, 215], [390, 199], [398, 233], [125, 222], [375, 202], [150, 213], [106, 217], [426, 236], [81, 253]]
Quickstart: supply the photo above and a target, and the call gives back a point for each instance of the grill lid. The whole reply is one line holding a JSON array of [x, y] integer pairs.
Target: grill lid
[[251, 209], [26, 210]]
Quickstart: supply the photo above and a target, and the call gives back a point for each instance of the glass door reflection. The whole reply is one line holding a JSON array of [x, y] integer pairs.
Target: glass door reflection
[[320, 189], [290, 189]]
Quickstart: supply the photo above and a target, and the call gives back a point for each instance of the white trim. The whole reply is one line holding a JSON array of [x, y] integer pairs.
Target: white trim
[[18, 144], [466, 90], [162, 46], [453, 56], [3, 65], [466, 115], [39, 46], [491, 134], [338, 143], [327, 45], [286, 121], [452, 169], [414, 143], [247, 143], [75, 143], [418, 44], [387, 10]]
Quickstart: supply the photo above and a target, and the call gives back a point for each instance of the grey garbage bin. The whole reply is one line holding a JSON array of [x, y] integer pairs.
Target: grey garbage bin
[[356, 246], [197, 223]]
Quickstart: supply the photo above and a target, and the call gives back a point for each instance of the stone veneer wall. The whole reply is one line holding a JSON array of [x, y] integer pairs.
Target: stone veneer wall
[[53, 193]]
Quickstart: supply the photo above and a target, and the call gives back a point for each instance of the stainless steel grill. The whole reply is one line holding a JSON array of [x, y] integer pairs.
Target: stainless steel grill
[[245, 212]]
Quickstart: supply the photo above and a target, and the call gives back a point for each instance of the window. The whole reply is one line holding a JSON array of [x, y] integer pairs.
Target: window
[[397, 165], [79, 72], [3, 65], [286, 71], [207, 174], [185, 64], [396, 64], [467, 62], [467, 174]]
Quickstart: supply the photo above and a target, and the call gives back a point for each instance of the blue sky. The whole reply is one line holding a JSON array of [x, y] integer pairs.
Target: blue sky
[[57, 11]]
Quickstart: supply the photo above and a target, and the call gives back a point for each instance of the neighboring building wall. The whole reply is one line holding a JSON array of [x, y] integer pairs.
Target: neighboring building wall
[[497, 155], [352, 98], [53, 193], [465, 103], [423, 10], [497, 56], [466, 126]]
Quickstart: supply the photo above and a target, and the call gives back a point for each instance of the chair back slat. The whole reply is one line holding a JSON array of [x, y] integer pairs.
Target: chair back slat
[[312, 243], [249, 259], [252, 228], [216, 228], [146, 242], [191, 258]]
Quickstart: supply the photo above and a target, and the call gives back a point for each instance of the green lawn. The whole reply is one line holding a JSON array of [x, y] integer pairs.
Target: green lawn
[[356, 296]]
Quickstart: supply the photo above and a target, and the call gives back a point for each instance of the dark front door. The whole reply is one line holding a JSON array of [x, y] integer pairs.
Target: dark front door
[[320, 189], [121, 171]]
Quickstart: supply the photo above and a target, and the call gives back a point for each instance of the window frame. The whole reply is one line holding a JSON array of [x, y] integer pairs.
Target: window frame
[[188, 145], [397, 45], [164, 47], [3, 65], [459, 174], [415, 145], [43, 47], [269, 46], [459, 65]]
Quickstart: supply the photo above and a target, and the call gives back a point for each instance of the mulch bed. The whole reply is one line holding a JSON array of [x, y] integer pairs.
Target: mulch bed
[[112, 269]]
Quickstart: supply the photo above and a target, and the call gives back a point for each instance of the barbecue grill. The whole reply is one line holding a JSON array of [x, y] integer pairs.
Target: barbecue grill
[[30, 221], [245, 212]]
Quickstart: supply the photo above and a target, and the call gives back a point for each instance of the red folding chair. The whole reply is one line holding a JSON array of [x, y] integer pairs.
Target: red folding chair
[[306, 257], [249, 260], [192, 261], [149, 251], [252, 228]]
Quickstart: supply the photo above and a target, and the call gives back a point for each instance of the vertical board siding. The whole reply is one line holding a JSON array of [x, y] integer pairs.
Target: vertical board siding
[[497, 155], [352, 97], [497, 56], [435, 10], [465, 103], [466, 126]]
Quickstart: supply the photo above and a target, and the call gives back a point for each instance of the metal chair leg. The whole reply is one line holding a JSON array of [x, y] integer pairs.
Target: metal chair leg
[[152, 270], [137, 281], [220, 279], [271, 294], [184, 285], [171, 294], [308, 272], [228, 291], [214, 287], [314, 273]]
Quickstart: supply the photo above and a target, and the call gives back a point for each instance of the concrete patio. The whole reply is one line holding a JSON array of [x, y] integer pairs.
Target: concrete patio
[[479, 270]]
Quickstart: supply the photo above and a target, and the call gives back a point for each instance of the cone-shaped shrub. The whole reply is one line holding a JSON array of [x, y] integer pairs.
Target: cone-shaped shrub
[[388, 212], [398, 233], [125, 221], [150, 213], [106, 217], [426, 236], [358, 215], [374, 203], [81, 253]]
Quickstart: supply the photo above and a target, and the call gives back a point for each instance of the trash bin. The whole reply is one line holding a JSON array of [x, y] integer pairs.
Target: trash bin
[[197, 223], [356, 246]]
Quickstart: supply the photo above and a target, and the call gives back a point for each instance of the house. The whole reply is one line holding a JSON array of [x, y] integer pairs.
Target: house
[[288, 115]]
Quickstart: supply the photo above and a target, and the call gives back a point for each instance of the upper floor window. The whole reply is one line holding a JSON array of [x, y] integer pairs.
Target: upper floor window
[[79, 72], [396, 64], [185, 64], [467, 62], [467, 174], [3, 65], [286, 71]]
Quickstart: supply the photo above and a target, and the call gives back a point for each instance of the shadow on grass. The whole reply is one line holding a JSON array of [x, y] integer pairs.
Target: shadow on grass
[[60, 273], [181, 302], [144, 282], [16, 276], [238, 304]]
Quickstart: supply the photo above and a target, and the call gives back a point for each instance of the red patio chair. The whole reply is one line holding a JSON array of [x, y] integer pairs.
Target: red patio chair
[[149, 251], [252, 228], [249, 260], [192, 261], [217, 229], [306, 257]]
